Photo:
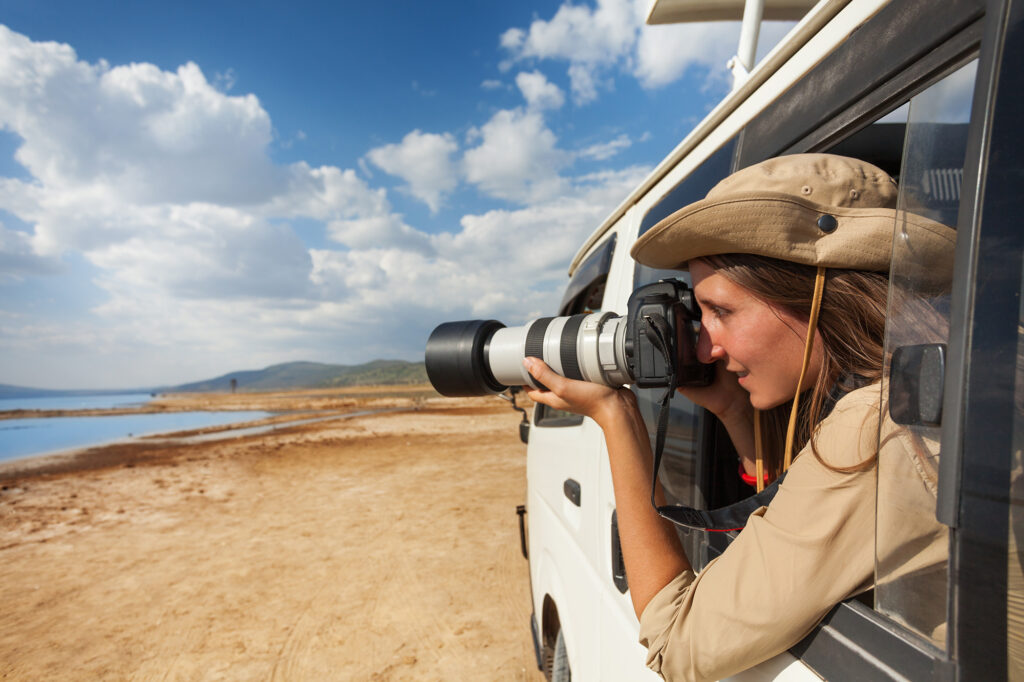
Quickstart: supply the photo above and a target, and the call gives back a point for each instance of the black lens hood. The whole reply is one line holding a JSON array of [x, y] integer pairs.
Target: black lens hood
[[456, 358]]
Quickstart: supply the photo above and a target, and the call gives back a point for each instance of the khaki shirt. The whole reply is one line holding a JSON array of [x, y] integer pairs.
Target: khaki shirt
[[813, 547]]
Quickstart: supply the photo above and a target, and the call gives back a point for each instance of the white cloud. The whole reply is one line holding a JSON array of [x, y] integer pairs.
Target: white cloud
[[424, 161], [664, 53], [583, 83], [156, 135], [225, 80], [538, 92], [590, 39], [517, 158], [18, 259], [605, 150], [376, 231], [202, 251], [579, 33]]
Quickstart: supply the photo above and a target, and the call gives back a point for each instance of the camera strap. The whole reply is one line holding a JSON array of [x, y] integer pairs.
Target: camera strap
[[731, 517]]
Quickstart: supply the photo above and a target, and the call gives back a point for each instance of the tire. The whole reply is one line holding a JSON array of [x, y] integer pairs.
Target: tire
[[556, 662]]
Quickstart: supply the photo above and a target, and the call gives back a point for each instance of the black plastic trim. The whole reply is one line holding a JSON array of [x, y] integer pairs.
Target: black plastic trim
[[592, 269], [618, 564], [853, 642]]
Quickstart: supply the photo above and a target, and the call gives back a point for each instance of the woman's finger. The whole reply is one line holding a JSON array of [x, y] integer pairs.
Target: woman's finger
[[540, 371]]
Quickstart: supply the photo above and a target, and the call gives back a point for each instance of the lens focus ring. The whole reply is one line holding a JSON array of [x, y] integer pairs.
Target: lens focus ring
[[535, 338], [568, 354]]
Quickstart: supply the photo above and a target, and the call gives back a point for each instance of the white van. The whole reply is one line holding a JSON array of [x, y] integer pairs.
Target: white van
[[933, 93]]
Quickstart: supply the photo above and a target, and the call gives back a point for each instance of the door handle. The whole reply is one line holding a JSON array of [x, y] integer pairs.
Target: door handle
[[571, 488]]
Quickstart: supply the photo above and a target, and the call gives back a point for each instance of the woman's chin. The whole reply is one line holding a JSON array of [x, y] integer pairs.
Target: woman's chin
[[763, 402]]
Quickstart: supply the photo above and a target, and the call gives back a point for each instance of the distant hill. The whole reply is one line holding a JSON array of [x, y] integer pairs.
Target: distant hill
[[312, 375]]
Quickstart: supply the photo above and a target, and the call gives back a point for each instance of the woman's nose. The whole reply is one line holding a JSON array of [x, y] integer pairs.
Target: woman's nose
[[707, 350]]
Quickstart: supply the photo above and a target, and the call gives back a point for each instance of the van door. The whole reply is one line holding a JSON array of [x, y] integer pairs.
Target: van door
[[563, 501]]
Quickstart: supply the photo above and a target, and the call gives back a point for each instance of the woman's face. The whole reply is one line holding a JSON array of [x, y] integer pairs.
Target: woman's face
[[761, 343]]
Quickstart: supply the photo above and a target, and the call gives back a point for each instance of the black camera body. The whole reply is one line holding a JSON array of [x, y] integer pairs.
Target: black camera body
[[653, 345], [670, 300]]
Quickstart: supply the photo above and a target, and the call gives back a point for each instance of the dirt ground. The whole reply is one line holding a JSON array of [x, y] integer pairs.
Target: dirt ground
[[375, 547]]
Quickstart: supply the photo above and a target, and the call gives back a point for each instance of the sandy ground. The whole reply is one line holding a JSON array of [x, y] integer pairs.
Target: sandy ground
[[381, 547]]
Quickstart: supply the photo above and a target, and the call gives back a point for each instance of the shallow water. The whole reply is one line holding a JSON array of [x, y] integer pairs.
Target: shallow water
[[76, 402], [36, 436]]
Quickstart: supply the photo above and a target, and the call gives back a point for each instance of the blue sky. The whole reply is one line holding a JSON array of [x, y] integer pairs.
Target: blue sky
[[197, 188]]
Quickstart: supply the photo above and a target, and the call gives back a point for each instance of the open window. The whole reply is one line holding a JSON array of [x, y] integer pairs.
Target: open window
[[698, 462]]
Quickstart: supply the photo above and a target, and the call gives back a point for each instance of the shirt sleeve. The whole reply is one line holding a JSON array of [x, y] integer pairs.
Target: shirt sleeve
[[810, 549]]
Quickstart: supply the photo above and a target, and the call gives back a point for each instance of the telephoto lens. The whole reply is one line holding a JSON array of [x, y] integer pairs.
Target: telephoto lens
[[653, 345], [479, 357]]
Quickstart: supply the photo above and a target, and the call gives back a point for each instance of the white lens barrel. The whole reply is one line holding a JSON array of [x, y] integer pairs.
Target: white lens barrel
[[587, 347], [611, 352], [505, 356]]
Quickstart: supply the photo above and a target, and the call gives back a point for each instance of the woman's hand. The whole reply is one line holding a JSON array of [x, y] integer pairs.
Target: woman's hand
[[592, 400], [724, 398]]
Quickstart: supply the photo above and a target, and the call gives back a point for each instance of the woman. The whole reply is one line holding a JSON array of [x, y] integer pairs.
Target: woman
[[789, 261]]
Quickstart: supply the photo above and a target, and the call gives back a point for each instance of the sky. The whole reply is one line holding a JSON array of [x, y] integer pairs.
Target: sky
[[189, 189]]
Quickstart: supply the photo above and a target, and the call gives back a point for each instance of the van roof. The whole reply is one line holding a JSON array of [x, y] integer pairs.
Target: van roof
[[679, 11], [812, 22]]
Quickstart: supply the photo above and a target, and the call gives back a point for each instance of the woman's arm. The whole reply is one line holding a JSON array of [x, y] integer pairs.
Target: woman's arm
[[650, 546]]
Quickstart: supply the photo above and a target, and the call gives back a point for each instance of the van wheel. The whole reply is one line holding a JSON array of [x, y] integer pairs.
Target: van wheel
[[556, 661]]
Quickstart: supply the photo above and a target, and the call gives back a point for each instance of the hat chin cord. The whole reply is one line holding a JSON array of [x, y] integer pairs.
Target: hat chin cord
[[812, 326]]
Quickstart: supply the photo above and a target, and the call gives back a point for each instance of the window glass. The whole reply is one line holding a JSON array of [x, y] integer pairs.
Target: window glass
[[912, 547]]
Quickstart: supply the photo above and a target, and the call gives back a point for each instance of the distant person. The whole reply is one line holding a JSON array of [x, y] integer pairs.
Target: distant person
[[789, 262]]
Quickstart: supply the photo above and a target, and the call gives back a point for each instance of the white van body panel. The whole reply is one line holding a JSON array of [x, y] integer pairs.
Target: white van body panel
[[569, 546]]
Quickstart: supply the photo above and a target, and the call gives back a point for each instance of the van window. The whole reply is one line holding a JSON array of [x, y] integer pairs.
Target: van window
[[585, 294], [912, 547], [685, 476]]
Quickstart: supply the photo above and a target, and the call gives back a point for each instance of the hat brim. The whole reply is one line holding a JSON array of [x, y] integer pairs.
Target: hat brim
[[781, 226]]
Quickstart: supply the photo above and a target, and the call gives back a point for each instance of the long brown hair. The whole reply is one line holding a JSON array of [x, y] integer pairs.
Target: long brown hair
[[851, 325]]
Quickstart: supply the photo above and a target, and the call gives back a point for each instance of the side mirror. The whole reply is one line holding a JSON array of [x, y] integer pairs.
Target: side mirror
[[917, 375]]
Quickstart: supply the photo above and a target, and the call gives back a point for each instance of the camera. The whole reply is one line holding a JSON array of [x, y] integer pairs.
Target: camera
[[653, 345]]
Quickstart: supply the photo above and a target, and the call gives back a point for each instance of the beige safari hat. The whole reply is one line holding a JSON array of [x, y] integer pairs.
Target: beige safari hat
[[816, 209]]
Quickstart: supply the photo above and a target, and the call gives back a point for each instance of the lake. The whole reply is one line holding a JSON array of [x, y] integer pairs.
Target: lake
[[26, 437]]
